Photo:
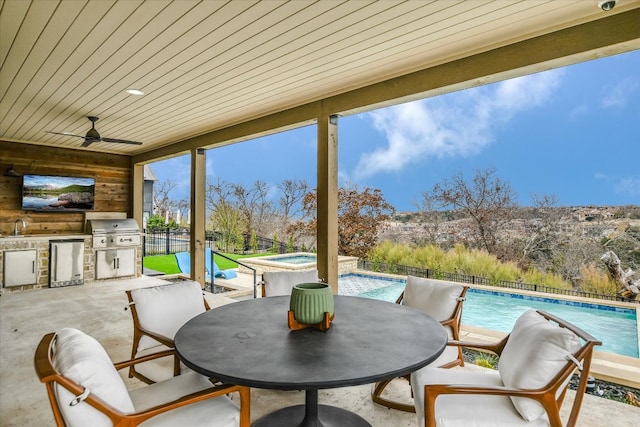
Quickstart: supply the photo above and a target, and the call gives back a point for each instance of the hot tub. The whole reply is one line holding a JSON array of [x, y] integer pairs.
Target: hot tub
[[298, 261]]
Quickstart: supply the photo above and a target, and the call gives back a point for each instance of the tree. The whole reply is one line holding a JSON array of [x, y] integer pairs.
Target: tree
[[544, 235], [362, 214], [254, 205], [157, 222], [430, 217], [224, 217], [228, 222], [486, 199], [161, 200], [293, 192], [253, 241]]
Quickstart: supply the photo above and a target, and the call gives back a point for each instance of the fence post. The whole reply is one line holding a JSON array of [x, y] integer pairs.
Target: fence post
[[167, 242]]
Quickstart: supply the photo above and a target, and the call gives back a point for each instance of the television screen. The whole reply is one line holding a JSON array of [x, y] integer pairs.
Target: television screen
[[57, 193]]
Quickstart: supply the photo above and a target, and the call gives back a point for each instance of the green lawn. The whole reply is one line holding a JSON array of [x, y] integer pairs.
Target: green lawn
[[167, 263]]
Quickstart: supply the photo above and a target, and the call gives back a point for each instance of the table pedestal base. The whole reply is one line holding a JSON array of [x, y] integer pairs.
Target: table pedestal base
[[311, 415]]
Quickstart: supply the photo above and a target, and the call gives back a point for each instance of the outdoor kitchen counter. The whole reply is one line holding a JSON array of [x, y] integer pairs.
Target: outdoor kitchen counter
[[38, 246], [22, 237]]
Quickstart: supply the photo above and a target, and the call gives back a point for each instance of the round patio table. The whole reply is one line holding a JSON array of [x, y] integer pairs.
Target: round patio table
[[249, 343]]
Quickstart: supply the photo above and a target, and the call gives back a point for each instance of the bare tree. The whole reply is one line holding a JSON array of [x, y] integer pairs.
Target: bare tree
[[161, 199], [429, 219], [255, 206], [488, 200], [293, 192], [289, 203], [543, 235]]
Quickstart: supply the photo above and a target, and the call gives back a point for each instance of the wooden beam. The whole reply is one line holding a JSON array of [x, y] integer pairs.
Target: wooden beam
[[198, 212], [327, 231], [137, 189]]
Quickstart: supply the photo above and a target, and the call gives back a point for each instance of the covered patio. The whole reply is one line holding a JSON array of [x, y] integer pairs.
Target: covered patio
[[100, 311], [219, 73]]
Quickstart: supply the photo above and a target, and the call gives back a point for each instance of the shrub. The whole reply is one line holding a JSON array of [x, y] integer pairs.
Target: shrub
[[460, 260], [486, 360], [592, 279]]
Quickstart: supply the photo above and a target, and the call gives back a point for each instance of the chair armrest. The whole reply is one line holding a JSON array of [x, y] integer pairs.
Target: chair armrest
[[127, 363], [437, 389], [432, 391], [215, 391], [161, 339], [495, 347]]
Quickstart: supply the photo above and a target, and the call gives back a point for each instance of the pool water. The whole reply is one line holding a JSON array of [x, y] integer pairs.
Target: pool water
[[617, 328]]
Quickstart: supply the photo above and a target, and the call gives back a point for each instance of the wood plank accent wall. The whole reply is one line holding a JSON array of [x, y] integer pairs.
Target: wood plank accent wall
[[113, 192]]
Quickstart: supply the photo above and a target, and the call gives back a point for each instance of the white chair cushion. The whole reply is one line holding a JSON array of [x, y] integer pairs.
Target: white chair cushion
[[436, 298], [217, 412], [83, 360], [277, 283], [535, 352], [164, 309], [467, 410]]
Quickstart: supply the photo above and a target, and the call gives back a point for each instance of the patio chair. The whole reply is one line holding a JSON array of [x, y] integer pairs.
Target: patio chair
[[183, 259], [276, 283], [84, 389], [158, 312], [224, 274], [537, 360], [443, 301]]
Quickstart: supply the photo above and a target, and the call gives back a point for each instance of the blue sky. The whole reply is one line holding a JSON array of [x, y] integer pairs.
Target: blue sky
[[573, 132]]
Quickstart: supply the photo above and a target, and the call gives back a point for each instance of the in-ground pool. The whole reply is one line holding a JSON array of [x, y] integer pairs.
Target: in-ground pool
[[616, 327]]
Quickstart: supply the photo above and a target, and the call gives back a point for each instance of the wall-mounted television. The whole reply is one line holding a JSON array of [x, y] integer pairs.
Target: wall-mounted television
[[57, 193]]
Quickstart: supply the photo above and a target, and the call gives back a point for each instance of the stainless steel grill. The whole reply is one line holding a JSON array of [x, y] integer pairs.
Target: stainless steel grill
[[110, 233]]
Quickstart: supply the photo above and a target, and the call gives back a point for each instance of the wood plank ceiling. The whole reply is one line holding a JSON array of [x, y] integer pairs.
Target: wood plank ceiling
[[205, 65]]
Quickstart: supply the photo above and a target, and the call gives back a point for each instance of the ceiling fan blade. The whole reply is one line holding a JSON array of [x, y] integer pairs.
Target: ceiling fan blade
[[121, 141], [65, 134], [93, 135]]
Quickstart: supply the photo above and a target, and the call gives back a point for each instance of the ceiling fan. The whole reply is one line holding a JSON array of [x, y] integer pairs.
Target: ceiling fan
[[93, 135]]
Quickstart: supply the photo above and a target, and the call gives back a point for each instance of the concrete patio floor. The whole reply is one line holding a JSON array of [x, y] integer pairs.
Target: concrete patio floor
[[99, 310]]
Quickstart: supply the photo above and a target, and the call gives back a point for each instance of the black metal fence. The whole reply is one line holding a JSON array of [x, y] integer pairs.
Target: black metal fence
[[169, 241], [404, 270]]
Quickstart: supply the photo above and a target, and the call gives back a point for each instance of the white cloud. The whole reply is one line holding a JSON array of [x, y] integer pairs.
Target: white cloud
[[617, 94], [458, 124], [578, 112], [629, 186]]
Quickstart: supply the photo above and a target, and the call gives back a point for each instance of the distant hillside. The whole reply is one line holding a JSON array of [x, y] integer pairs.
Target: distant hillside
[[41, 190]]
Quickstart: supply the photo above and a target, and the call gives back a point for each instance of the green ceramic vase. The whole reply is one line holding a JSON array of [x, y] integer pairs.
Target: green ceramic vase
[[309, 302]]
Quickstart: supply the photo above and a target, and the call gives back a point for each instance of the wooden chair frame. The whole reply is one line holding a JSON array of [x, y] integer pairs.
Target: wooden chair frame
[[546, 395], [139, 332], [454, 323], [49, 376]]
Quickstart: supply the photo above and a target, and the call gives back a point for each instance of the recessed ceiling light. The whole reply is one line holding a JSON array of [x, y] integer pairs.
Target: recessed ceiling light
[[135, 92]]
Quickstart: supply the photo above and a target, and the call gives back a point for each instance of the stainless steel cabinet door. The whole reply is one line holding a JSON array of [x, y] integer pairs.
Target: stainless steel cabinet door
[[115, 263], [20, 267]]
